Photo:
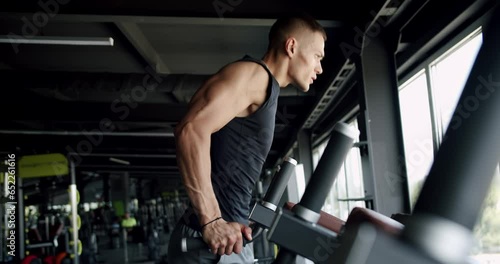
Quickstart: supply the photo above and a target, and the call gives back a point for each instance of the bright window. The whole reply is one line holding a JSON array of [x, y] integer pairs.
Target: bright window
[[425, 128], [417, 131], [449, 74]]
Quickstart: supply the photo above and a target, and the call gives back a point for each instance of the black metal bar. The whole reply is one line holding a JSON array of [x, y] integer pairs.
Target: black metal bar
[[262, 215], [341, 140], [309, 240], [47, 244], [309, 208], [279, 182]]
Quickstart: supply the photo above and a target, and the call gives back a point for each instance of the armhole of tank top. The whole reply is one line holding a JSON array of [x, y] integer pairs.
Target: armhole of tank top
[[270, 86]]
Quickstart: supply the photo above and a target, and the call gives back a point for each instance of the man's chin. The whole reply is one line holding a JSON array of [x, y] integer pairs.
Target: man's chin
[[304, 88]]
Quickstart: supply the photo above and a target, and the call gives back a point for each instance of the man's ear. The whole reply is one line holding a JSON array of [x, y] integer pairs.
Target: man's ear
[[291, 46]]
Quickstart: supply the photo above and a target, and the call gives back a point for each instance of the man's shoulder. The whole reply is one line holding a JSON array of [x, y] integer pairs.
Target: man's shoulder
[[247, 69], [247, 75]]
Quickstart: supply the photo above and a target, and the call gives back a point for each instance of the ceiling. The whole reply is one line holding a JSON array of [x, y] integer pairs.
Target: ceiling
[[123, 101]]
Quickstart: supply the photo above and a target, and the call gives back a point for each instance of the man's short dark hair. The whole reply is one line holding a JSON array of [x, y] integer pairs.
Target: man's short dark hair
[[285, 25]]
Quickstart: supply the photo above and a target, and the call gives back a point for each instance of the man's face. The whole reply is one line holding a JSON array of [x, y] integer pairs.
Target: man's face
[[306, 64]]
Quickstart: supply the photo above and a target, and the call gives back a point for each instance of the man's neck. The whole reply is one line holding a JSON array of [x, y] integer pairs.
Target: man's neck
[[278, 65]]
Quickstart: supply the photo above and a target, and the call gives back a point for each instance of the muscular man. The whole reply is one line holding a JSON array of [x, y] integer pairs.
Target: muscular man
[[224, 138]]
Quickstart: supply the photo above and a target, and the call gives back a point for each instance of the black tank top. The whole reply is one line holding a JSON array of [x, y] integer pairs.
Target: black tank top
[[238, 152]]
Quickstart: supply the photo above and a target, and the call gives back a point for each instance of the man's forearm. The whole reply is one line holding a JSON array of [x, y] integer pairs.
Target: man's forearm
[[193, 156]]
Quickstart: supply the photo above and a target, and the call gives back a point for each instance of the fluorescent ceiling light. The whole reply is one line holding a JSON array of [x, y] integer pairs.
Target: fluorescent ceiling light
[[84, 41], [124, 162]]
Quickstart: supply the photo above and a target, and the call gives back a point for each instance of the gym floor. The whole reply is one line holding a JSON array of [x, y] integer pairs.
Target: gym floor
[[136, 253]]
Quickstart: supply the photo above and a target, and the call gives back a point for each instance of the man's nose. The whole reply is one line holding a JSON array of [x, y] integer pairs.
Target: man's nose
[[319, 69]]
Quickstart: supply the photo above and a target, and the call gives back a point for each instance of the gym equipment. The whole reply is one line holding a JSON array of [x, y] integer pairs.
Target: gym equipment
[[153, 242], [440, 229], [114, 233], [304, 216], [61, 258], [47, 236], [262, 212], [45, 165], [31, 259]]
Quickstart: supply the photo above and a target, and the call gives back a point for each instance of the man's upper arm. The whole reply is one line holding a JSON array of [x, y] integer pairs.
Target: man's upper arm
[[221, 99]]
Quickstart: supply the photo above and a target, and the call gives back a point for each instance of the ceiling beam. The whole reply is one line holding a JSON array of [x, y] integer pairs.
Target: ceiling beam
[[204, 21], [136, 37], [420, 46]]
